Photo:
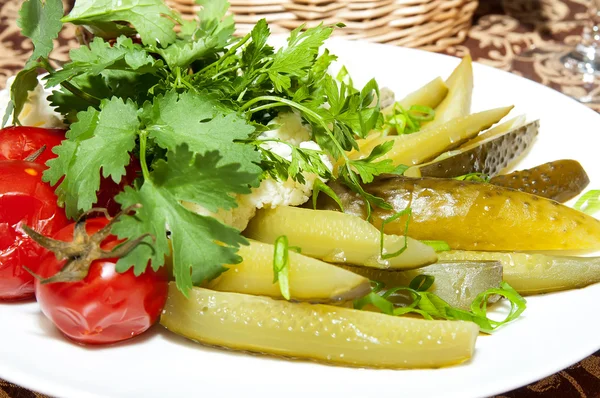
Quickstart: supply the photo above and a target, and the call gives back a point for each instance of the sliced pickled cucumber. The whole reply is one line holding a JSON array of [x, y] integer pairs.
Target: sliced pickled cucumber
[[319, 332], [310, 279], [456, 282], [337, 238], [488, 156], [560, 180], [475, 216], [426, 144], [458, 101], [499, 129], [431, 95], [537, 273]]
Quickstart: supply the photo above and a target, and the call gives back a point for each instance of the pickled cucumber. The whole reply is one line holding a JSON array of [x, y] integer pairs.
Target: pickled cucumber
[[458, 101], [431, 95], [475, 216], [560, 180], [456, 282], [499, 129], [426, 144], [319, 332], [310, 279], [337, 238], [537, 273], [488, 156]]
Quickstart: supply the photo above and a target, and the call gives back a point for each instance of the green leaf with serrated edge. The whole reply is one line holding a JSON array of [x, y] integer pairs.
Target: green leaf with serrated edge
[[320, 186], [190, 178], [204, 125], [100, 56], [153, 19], [368, 169], [40, 21], [25, 81], [201, 245], [100, 144]]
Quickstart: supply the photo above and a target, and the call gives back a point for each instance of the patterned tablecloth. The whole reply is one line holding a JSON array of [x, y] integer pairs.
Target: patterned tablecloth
[[502, 30]]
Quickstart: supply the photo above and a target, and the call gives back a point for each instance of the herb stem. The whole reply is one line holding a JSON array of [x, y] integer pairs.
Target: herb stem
[[229, 52], [71, 87], [143, 142]]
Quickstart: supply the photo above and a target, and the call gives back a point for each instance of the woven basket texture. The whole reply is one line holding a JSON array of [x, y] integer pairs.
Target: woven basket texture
[[428, 24]]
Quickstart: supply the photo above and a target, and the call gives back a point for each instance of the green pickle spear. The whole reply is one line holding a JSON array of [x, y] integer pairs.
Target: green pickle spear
[[316, 331], [474, 216], [533, 273], [310, 279], [338, 238]]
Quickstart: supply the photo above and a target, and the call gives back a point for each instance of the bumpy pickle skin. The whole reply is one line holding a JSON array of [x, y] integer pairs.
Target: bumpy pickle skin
[[489, 156], [318, 332], [533, 273], [457, 282], [475, 216], [560, 180], [310, 279], [337, 238]]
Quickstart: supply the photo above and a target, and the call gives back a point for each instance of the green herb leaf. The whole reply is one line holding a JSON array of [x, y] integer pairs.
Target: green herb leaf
[[281, 266], [475, 177], [368, 169], [319, 187], [589, 202], [99, 143], [40, 21], [203, 124], [152, 19], [25, 81], [201, 245]]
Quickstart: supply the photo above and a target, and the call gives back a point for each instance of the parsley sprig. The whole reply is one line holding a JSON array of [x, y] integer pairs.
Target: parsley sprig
[[189, 105]]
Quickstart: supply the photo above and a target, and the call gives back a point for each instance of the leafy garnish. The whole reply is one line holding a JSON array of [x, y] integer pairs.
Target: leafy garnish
[[201, 245], [99, 143], [589, 202], [431, 306], [153, 20], [281, 265], [475, 177], [319, 187], [401, 121]]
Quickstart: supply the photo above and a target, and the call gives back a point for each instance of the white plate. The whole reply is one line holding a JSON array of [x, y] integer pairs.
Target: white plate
[[556, 331]]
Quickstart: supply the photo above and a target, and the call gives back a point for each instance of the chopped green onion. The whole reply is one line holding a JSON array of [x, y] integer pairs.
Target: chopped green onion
[[589, 202], [475, 177], [431, 306], [438, 245], [281, 266], [421, 113], [406, 212]]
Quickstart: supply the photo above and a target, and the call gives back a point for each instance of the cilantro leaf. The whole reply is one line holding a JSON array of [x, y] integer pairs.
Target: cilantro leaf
[[201, 245], [204, 125], [212, 33], [101, 55], [368, 169], [298, 56], [40, 21], [25, 81], [100, 142], [152, 19]]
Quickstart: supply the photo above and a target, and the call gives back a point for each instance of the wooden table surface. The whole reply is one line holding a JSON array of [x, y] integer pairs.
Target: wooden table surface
[[501, 31]]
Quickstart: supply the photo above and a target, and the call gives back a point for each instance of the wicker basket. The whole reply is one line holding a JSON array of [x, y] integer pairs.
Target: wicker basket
[[428, 24]]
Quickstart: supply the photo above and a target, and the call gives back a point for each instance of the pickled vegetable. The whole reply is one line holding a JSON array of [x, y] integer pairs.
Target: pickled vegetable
[[499, 129], [426, 144], [475, 216], [560, 180], [458, 101], [488, 156], [338, 238], [310, 279], [431, 95], [319, 332], [537, 273], [456, 282]]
